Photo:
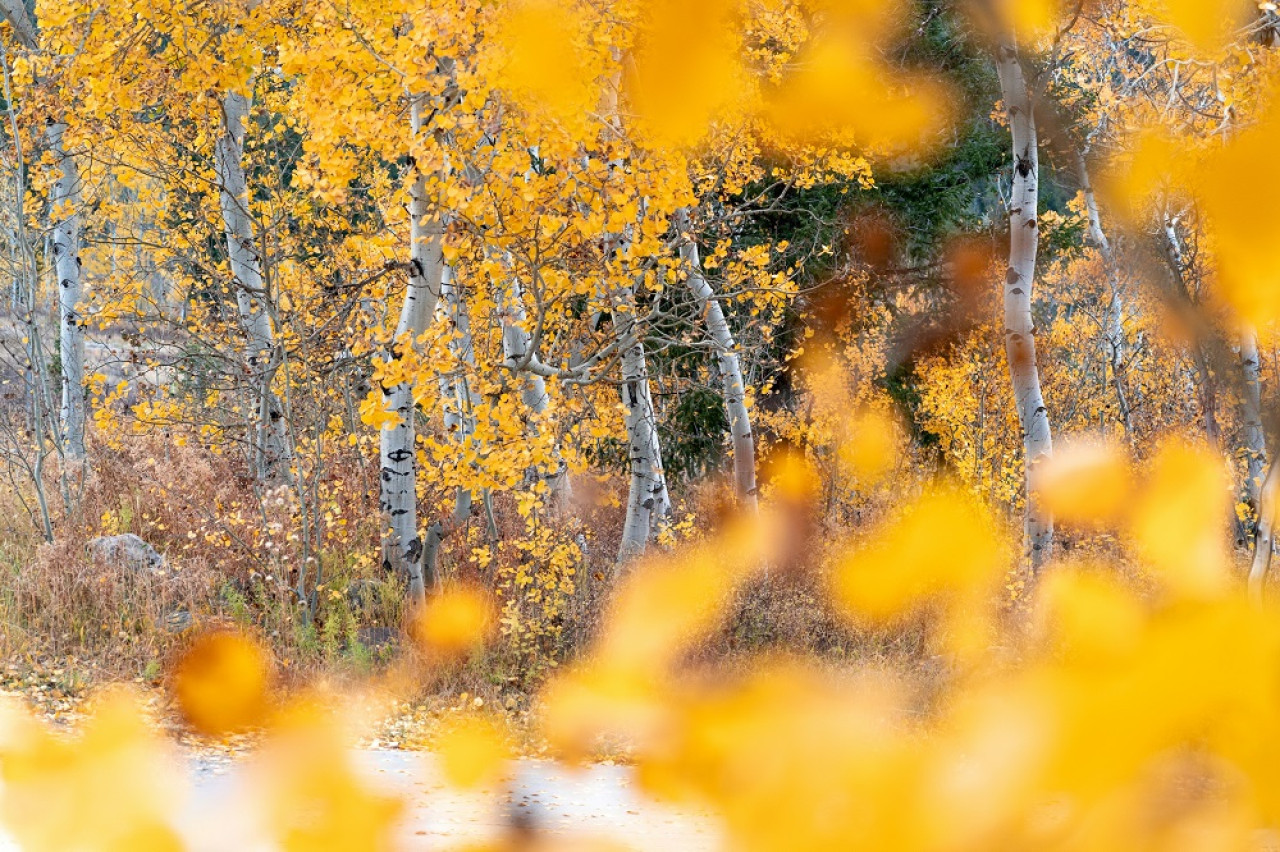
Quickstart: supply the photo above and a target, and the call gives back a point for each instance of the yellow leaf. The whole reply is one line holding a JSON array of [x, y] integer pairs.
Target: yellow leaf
[[1085, 481], [686, 67], [1179, 519], [944, 546], [473, 752], [221, 684], [454, 621], [1206, 24]]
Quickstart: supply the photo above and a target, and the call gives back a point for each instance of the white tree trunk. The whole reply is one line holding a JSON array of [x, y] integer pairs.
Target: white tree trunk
[[1020, 345], [271, 454], [734, 388], [648, 503], [15, 12], [516, 345], [1264, 539], [402, 548], [1255, 439], [1113, 331], [456, 396], [65, 199], [458, 400]]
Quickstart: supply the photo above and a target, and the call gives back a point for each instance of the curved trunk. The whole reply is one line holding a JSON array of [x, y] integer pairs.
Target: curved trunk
[[1020, 344], [516, 345], [1264, 541], [734, 388], [65, 199], [402, 548], [648, 503], [271, 454]]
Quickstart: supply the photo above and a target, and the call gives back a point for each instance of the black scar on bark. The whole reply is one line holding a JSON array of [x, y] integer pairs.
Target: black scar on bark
[[413, 552], [1017, 291], [1011, 276], [398, 512], [1024, 166], [399, 455], [648, 504], [633, 394], [415, 268]]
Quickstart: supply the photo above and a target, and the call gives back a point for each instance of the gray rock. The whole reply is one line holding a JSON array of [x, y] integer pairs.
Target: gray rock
[[127, 551]]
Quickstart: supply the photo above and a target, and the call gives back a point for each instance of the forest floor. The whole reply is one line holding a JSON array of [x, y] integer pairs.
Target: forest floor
[[555, 807], [543, 805]]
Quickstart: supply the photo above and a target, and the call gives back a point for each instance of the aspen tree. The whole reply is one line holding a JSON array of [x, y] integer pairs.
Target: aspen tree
[[1255, 439], [64, 200], [1019, 327], [726, 354], [402, 546], [270, 450], [519, 357], [648, 503], [65, 214]]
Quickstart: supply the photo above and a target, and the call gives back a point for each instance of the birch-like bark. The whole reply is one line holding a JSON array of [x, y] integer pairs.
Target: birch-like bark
[[726, 354], [516, 354], [402, 547], [1020, 345], [65, 199], [1113, 330], [66, 246], [648, 503], [1264, 539], [15, 12], [459, 401], [1255, 439], [271, 454], [456, 396]]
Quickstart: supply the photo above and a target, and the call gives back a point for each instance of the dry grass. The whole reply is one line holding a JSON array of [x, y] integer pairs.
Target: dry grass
[[234, 555]]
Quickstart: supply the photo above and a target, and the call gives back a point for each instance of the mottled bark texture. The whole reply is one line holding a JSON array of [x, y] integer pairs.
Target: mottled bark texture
[[270, 446], [1019, 327], [730, 367], [402, 546]]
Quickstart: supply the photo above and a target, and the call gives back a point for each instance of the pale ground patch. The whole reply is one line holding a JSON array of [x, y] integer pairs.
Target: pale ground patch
[[564, 807], [594, 807]]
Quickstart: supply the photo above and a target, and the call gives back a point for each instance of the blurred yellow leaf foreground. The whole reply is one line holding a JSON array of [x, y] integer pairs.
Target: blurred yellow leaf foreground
[[851, 418]]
